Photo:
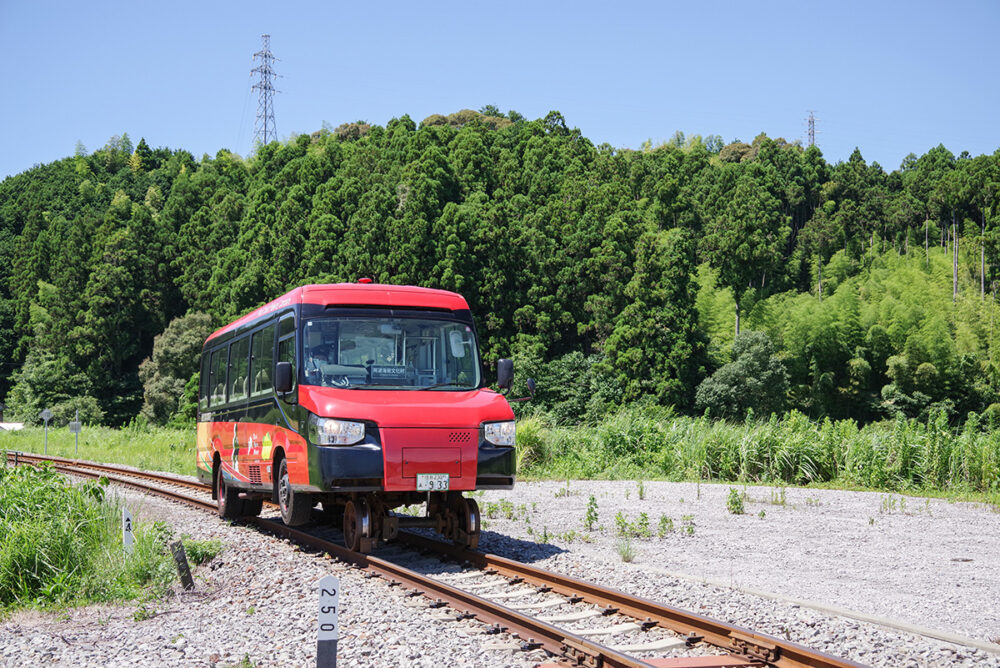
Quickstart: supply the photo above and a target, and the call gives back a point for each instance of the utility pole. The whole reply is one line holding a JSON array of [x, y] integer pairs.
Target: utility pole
[[812, 127], [264, 127]]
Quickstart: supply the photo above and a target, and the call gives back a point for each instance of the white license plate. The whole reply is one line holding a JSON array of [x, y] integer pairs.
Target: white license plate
[[432, 482]]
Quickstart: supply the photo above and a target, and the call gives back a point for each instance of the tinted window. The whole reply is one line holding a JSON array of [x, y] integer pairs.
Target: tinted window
[[239, 374], [206, 372], [218, 380], [262, 361], [286, 344]]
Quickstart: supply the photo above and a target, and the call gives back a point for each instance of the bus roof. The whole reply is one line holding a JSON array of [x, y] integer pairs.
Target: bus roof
[[354, 294]]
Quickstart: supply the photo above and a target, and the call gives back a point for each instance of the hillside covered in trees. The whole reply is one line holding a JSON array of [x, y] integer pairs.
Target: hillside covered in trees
[[612, 276]]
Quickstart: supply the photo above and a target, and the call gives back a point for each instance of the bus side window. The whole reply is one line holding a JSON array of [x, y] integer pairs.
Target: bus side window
[[286, 344], [239, 359], [218, 383], [261, 361], [204, 384]]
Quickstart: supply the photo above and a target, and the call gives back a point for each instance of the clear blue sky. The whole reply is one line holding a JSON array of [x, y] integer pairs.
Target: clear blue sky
[[888, 77]]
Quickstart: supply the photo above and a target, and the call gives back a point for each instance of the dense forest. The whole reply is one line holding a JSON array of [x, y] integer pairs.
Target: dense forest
[[706, 276]]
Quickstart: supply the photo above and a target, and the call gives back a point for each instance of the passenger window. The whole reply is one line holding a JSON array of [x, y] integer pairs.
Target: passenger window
[[262, 361], [239, 375], [286, 344], [218, 381], [205, 384], [286, 326]]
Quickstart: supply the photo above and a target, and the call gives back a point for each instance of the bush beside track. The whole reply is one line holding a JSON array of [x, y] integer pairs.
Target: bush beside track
[[61, 544]]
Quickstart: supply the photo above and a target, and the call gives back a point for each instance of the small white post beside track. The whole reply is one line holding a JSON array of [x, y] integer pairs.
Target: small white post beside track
[[328, 625]]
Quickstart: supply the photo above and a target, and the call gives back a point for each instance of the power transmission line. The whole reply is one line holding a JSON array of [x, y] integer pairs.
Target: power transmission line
[[812, 127], [264, 127]]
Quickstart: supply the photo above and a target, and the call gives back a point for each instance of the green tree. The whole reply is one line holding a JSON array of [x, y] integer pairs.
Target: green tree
[[173, 363], [755, 380], [655, 348]]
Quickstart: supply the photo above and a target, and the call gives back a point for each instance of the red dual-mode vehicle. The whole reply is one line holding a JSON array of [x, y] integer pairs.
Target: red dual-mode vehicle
[[361, 397]]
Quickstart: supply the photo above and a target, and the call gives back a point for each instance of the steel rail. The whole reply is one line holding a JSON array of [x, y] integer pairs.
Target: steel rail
[[743, 642], [109, 468], [757, 647], [534, 633]]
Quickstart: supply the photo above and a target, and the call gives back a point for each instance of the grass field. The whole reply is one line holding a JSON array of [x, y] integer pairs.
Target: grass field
[[152, 449], [651, 443]]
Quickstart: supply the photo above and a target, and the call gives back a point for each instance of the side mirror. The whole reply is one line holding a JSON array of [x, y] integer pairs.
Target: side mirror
[[283, 380], [505, 374]]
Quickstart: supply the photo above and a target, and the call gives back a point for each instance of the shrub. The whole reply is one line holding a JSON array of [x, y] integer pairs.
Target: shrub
[[734, 502], [61, 543]]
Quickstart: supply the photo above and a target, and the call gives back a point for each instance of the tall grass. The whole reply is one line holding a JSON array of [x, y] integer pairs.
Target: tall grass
[[147, 448], [61, 543], [652, 442]]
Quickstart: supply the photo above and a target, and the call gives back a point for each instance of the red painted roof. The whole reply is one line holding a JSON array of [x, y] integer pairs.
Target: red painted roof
[[355, 294]]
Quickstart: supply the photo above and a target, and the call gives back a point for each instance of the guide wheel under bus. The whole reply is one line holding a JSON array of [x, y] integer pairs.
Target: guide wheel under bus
[[466, 515], [358, 526]]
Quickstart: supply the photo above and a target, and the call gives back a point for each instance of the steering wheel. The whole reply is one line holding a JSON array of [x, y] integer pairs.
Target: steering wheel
[[340, 381]]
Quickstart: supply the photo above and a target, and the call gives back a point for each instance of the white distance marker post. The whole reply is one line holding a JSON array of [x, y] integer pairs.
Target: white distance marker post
[[329, 626], [128, 538]]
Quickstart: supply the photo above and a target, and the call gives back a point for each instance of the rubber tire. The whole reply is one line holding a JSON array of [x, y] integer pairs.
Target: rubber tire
[[296, 507], [230, 505]]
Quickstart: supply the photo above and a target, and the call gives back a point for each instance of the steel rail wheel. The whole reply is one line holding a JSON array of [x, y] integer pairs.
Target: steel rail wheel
[[467, 513], [357, 524]]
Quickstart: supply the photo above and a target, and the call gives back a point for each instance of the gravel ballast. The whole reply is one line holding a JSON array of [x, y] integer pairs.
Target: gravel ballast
[[929, 563], [924, 562]]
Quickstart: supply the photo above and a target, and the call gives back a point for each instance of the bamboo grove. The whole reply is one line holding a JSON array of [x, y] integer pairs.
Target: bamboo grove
[[613, 276]]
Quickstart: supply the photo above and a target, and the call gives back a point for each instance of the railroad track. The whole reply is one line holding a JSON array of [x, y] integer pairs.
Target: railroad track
[[560, 614]]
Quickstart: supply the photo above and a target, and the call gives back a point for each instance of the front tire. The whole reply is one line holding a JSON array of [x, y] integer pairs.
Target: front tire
[[296, 507]]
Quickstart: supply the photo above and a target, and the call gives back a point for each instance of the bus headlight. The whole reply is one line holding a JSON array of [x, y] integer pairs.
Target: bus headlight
[[499, 433], [326, 431]]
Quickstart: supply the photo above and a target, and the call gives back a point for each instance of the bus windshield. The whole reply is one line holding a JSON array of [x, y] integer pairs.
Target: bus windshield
[[390, 353]]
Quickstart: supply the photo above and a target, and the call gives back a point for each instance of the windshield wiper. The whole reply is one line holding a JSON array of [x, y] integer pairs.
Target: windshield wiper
[[431, 387]]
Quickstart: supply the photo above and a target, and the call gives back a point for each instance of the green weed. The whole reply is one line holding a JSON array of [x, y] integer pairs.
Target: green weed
[[201, 551], [564, 491], [625, 549], [590, 519], [734, 502], [142, 613]]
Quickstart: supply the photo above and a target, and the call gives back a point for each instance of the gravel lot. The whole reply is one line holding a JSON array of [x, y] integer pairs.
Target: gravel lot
[[925, 562], [933, 564]]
